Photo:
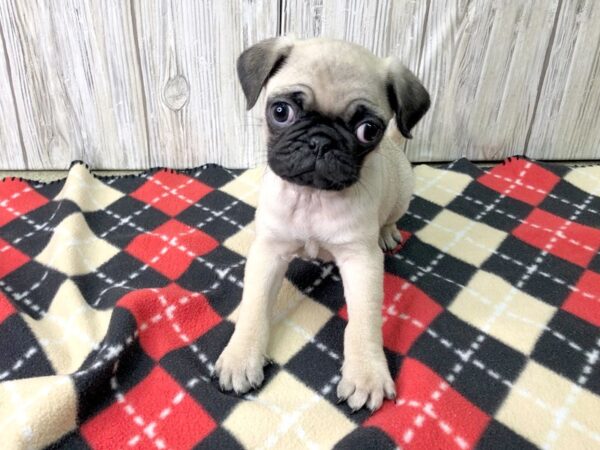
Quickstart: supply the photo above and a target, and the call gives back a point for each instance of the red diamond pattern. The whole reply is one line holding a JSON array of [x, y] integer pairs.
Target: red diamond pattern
[[169, 318], [571, 241], [10, 258], [171, 192], [521, 179], [6, 308], [585, 302], [156, 413], [171, 247], [428, 413], [18, 198], [407, 312]]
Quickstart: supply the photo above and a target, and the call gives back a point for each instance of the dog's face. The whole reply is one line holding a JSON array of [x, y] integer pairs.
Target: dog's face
[[328, 105]]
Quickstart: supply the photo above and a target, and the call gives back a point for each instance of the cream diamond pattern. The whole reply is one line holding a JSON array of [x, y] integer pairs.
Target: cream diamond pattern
[[89, 193], [70, 329], [74, 249], [28, 411]]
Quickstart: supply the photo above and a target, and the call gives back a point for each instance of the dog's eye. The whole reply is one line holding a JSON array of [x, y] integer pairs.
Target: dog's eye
[[282, 113], [368, 132]]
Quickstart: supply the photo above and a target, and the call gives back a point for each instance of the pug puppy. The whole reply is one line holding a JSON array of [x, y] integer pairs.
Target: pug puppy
[[336, 184]]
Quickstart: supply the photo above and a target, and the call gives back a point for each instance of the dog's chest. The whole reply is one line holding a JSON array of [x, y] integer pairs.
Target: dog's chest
[[308, 217], [312, 217]]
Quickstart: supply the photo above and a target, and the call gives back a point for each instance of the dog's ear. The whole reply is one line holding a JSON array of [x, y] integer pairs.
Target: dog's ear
[[407, 96], [258, 63]]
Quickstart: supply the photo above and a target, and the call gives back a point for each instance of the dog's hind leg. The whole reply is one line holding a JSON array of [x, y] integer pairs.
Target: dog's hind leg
[[389, 236], [398, 188]]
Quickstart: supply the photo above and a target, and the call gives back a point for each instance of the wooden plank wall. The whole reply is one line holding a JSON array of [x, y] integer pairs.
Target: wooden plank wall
[[136, 83], [195, 107], [76, 84]]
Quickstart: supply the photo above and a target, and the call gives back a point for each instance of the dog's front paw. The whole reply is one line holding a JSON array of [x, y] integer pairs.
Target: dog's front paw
[[389, 237], [367, 384], [240, 368]]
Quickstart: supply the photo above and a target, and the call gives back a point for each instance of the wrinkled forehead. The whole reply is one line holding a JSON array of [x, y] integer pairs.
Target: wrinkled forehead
[[332, 80]]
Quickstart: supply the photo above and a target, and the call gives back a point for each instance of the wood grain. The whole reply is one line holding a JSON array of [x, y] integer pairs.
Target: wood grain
[[384, 26], [76, 82], [442, 27], [11, 151], [487, 103], [567, 121], [195, 106]]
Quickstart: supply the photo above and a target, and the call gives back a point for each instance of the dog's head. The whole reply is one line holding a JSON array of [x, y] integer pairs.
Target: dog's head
[[328, 105]]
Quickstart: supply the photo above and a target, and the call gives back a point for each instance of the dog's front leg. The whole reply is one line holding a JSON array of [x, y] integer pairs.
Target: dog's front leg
[[240, 366], [366, 378]]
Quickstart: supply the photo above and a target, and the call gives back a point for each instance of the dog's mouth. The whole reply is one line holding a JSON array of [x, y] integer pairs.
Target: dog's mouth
[[312, 155], [321, 172]]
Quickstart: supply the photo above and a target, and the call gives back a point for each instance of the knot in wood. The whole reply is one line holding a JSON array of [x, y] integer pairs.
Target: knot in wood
[[176, 93]]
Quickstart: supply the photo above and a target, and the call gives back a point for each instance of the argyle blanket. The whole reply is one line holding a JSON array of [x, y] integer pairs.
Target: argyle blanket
[[118, 294]]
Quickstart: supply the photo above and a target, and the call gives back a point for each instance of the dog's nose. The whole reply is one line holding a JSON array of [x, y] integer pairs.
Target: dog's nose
[[319, 144]]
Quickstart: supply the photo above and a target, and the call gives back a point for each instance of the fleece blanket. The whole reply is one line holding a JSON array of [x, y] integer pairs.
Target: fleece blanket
[[118, 294]]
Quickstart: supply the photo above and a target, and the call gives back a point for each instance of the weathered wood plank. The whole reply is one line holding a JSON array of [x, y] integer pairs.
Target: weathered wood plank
[[11, 151], [384, 26], [440, 30], [488, 101], [196, 110], [76, 81], [567, 121], [481, 60]]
